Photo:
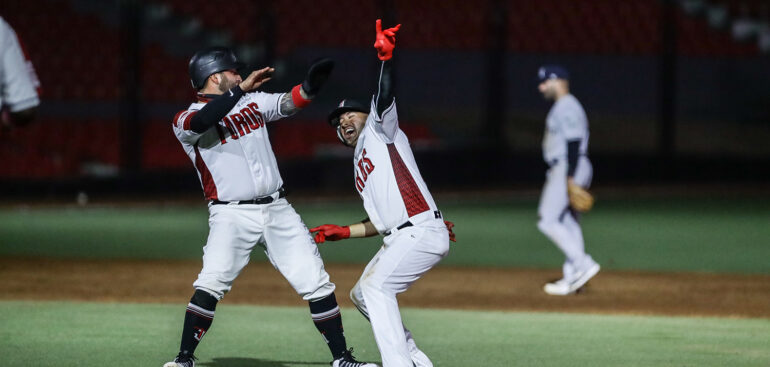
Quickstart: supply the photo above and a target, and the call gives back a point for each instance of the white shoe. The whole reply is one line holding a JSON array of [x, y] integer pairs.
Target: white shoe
[[563, 287], [174, 363], [420, 359], [347, 360], [182, 360]]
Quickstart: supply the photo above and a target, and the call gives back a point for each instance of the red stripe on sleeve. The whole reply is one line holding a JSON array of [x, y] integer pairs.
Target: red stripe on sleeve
[[176, 118], [186, 124], [413, 200]]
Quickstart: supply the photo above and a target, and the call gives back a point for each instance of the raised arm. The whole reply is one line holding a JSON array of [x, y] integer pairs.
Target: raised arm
[[218, 107], [302, 94], [385, 42]]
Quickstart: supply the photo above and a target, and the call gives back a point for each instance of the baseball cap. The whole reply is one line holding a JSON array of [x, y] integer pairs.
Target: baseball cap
[[552, 72], [345, 106]]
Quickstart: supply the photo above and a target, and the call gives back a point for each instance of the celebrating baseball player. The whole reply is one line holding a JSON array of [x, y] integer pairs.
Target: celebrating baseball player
[[224, 135], [399, 206], [18, 82], [564, 196]]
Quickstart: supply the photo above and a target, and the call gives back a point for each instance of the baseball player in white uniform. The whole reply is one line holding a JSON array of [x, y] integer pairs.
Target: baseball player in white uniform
[[565, 147], [224, 135], [18, 81], [399, 206]]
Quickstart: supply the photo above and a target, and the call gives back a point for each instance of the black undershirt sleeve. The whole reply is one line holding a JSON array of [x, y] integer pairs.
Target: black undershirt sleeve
[[573, 147], [385, 88], [215, 110]]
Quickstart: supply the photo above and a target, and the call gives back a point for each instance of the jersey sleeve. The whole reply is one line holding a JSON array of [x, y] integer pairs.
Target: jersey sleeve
[[388, 122], [18, 83], [182, 128], [269, 104]]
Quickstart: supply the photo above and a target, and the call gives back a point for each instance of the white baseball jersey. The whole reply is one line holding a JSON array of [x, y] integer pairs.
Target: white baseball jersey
[[18, 81], [234, 159], [386, 174], [566, 121], [387, 178]]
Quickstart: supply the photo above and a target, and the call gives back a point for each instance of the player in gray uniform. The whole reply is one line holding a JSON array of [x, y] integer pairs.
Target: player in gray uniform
[[565, 147]]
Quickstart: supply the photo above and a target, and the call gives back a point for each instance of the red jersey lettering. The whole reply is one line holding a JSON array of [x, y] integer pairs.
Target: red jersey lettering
[[365, 167]]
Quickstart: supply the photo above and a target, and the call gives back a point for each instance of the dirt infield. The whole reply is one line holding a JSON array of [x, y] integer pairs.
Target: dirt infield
[[611, 292]]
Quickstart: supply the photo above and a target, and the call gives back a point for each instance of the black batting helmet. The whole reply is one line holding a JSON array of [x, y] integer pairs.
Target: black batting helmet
[[345, 106], [209, 61]]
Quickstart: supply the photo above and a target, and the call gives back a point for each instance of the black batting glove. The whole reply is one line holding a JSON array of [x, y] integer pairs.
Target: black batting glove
[[317, 75]]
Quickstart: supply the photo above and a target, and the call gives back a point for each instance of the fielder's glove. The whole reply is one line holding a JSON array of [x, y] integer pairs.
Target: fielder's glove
[[579, 198], [331, 232], [317, 75], [449, 226], [385, 41]]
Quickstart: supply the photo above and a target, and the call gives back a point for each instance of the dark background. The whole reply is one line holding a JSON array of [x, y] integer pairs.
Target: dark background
[[676, 92]]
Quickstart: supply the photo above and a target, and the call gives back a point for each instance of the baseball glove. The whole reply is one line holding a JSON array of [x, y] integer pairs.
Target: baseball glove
[[579, 198]]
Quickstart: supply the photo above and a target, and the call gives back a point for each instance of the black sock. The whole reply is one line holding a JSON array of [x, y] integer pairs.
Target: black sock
[[197, 320], [326, 316]]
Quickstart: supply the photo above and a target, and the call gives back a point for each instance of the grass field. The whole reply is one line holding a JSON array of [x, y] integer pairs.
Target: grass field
[[88, 334], [680, 235], [708, 235]]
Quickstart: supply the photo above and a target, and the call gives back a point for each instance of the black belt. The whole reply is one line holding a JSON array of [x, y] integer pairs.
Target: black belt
[[406, 224], [436, 213], [262, 200]]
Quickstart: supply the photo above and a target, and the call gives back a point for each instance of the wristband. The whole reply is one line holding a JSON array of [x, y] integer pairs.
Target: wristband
[[296, 97], [357, 230]]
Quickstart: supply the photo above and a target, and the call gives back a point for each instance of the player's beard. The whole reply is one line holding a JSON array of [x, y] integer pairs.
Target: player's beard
[[226, 84]]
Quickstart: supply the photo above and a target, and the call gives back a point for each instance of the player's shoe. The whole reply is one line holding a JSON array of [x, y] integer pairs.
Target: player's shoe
[[347, 360], [563, 287], [182, 360]]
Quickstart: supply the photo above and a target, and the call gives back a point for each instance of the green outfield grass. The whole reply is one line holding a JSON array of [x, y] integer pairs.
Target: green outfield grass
[[87, 334], [716, 235]]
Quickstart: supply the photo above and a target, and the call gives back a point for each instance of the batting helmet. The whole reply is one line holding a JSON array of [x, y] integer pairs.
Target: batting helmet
[[345, 106], [209, 61]]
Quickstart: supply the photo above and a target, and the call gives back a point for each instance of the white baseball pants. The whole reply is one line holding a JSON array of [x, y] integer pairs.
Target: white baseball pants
[[556, 220], [406, 255], [234, 230]]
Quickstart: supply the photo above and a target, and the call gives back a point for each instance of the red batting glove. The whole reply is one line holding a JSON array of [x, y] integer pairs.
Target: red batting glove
[[332, 232], [385, 41], [449, 226]]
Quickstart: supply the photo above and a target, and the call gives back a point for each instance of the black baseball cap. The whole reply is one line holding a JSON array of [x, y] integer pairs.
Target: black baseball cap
[[345, 106], [552, 72]]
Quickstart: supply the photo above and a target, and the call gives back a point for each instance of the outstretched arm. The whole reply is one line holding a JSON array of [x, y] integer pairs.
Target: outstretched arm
[[385, 42], [218, 107], [333, 232], [302, 94]]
